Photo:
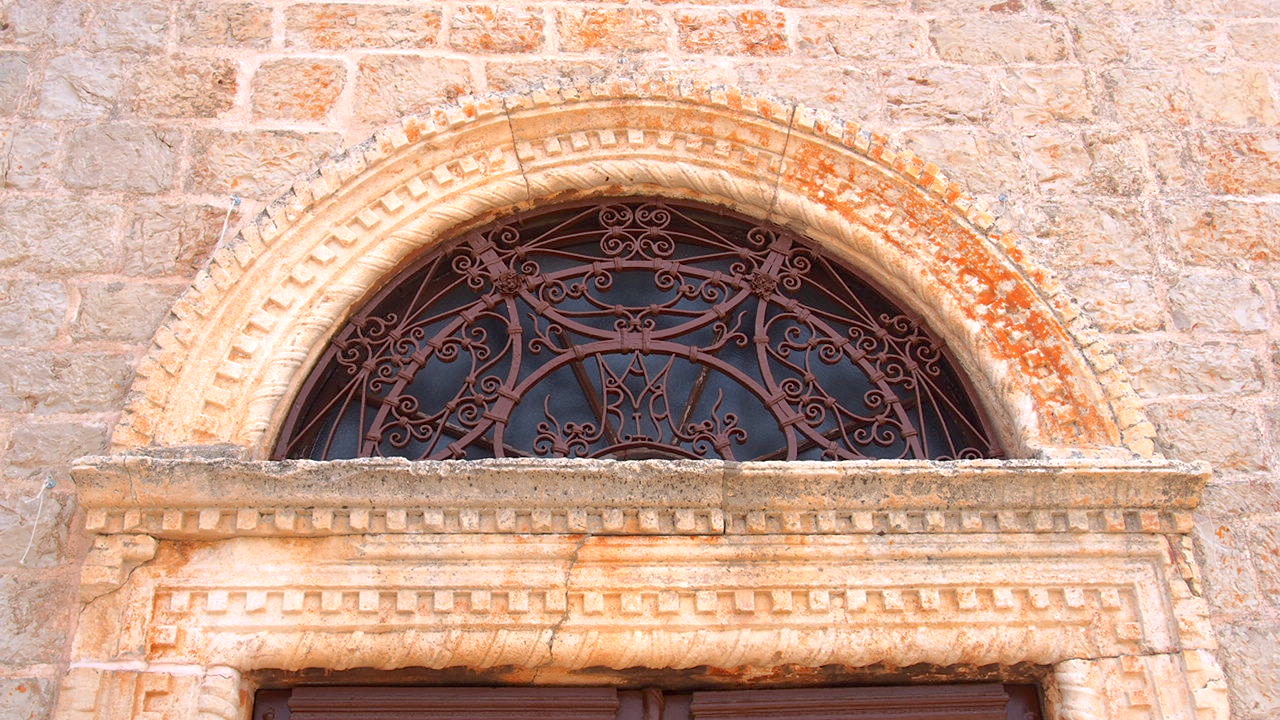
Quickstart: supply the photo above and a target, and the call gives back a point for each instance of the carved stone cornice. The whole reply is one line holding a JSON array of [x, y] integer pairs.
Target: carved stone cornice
[[192, 498]]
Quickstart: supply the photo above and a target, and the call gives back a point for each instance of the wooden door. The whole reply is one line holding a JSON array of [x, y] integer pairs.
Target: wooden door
[[985, 701]]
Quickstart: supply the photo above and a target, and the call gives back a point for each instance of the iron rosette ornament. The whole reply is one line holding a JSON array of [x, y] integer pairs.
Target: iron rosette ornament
[[633, 329]]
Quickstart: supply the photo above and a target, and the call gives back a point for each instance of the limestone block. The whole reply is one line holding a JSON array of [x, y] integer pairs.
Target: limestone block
[[181, 86], [732, 32], [1093, 233], [1205, 301], [30, 311], [1209, 431], [44, 449], [254, 164], [93, 694], [837, 37], [168, 238], [1160, 368], [128, 312], [610, 30], [46, 382], [111, 560], [1246, 163], [987, 163], [1252, 664], [1142, 96], [297, 89], [215, 23], [339, 26], [1225, 234], [131, 25], [1119, 303], [504, 76], [44, 22], [1256, 41], [1043, 96], [31, 157], [35, 618], [496, 29], [14, 69], [932, 95], [1232, 96], [819, 84], [57, 235], [81, 86], [980, 40], [27, 698], [18, 509], [119, 157], [391, 86]]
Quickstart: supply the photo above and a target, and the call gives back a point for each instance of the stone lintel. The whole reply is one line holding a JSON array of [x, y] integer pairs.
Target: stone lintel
[[184, 497]]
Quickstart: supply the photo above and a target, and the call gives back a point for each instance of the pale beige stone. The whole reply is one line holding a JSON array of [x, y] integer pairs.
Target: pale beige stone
[[299, 89], [214, 23], [1256, 41], [1119, 302], [351, 25], [44, 22], [1171, 368], [1225, 234], [254, 164], [30, 312], [1210, 431], [821, 85], [43, 382], [14, 69], [48, 539], [1043, 96], [610, 30], [182, 86], [933, 95], [1091, 233], [1233, 96], [1253, 665], [732, 32], [27, 697], [166, 238], [120, 156], [128, 312], [987, 39], [1204, 301], [1241, 163], [496, 29], [80, 86], [34, 619], [31, 151], [392, 86], [57, 234], [130, 25], [842, 37]]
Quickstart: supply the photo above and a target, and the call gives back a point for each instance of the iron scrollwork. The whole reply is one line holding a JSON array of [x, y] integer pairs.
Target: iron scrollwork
[[633, 328]]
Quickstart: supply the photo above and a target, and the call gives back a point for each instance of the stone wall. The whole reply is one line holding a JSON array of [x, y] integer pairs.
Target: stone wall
[[1134, 143]]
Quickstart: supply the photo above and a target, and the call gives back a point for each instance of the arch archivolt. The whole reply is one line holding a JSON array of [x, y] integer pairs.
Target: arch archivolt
[[240, 341], [209, 564]]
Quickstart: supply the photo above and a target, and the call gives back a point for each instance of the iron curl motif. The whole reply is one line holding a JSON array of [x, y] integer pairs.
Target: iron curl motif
[[633, 328]]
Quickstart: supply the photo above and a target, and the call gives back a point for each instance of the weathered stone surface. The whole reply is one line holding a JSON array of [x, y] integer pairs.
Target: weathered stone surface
[[505, 76], [1241, 163], [390, 86], [984, 40], [164, 238], [31, 157], [340, 25], [57, 234], [1179, 368], [841, 37], [1143, 96], [182, 86], [34, 619], [27, 698], [1229, 578], [732, 32], [43, 382], [131, 25], [1217, 303], [1119, 303], [1043, 96], [496, 29], [46, 449], [610, 30], [987, 163], [821, 85], [1233, 96], [128, 312], [1210, 431], [254, 164], [14, 69], [1225, 234], [30, 312], [129, 157], [213, 23], [81, 86], [43, 22], [1089, 233], [1252, 665], [1256, 41], [20, 502], [297, 89], [931, 95], [1265, 542]]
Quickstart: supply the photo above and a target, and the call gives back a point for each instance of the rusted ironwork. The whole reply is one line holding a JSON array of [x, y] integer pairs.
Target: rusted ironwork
[[633, 328]]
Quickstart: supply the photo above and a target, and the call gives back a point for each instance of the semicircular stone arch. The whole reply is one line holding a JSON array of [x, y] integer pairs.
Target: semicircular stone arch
[[230, 358]]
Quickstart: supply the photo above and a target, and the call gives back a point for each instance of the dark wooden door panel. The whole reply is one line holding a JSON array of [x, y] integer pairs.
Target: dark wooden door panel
[[922, 702], [455, 703]]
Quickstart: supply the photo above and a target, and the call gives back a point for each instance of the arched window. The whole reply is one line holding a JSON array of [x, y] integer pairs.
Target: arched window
[[633, 328]]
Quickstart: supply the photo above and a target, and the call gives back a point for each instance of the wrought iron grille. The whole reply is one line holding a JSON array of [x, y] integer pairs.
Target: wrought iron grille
[[632, 329]]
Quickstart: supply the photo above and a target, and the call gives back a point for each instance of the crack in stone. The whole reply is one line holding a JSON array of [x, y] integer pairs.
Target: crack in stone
[[564, 617]]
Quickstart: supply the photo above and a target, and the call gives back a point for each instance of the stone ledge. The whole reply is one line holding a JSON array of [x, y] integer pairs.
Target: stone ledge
[[191, 497]]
